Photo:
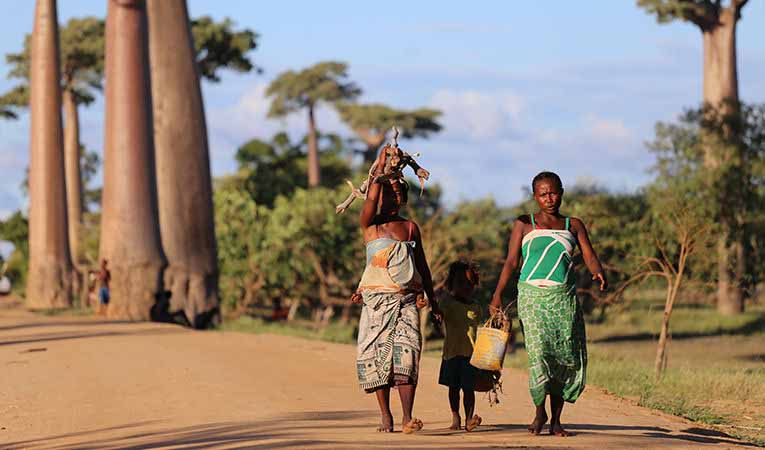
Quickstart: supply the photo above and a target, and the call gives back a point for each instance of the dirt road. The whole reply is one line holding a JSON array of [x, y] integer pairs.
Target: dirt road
[[81, 383]]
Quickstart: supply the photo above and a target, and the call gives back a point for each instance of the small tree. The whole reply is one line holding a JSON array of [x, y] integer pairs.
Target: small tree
[[677, 234], [371, 123], [294, 91]]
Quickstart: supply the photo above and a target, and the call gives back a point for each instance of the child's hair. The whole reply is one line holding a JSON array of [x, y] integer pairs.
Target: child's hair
[[546, 176], [468, 268]]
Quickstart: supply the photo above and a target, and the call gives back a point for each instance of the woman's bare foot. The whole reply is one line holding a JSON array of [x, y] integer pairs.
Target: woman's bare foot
[[472, 423], [412, 426], [538, 423], [386, 425], [456, 422], [557, 430]]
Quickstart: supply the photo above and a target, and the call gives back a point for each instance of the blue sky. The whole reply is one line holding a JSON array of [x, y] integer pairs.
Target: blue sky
[[574, 87]]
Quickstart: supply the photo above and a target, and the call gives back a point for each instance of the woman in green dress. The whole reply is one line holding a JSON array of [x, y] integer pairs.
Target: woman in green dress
[[542, 244]]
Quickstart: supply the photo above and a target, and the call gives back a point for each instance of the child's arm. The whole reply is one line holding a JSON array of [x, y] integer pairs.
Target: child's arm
[[588, 254], [511, 264]]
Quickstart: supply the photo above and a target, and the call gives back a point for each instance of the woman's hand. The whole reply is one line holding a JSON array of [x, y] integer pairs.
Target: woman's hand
[[357, 299], [421, 301], [496, 305], [602, 279]]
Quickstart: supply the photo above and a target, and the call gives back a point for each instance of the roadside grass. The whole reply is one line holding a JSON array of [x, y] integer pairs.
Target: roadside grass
[[333, 332], [686, 321]]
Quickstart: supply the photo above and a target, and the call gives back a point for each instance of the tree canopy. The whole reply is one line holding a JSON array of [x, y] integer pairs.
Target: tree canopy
[[323, 82], [219, 46], [371, 122], [702, 13]]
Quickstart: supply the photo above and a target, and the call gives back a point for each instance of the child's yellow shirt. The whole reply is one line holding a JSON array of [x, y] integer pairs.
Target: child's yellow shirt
[[461, 321]]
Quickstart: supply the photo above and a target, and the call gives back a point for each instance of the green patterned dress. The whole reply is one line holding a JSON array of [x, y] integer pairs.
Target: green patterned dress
[[551, 318]]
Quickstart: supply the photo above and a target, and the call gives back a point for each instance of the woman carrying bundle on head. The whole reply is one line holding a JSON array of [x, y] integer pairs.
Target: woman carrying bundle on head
[[391, 290], [551, 317]]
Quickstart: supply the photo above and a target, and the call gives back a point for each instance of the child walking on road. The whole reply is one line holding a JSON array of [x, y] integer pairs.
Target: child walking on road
[[461, 315]]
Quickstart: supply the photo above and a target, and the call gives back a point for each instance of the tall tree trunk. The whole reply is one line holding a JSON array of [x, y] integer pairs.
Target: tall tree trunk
[[721, 93], [50, 278], [184, 186], [129, 229], [314, 169], [73, 175]]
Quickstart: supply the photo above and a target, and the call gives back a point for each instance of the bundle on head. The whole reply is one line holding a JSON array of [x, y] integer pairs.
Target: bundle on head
[[396, 160]]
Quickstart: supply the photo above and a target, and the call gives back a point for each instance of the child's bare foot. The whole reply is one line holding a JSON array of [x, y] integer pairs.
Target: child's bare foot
[[412, 426], [456, 422], [472, 423], [538, 423], [557, 430], [386, 426]]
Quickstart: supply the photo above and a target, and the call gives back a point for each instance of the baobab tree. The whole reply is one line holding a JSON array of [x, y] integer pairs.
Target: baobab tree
[[81, 57], [49, 284], [130, 238], [717, 21], [371, 122], [293, 91], [184, 185]]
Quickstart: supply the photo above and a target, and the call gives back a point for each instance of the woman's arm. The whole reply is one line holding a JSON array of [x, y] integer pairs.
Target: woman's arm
[[588, 254], [369, 210], [421, 264], [511, 263]]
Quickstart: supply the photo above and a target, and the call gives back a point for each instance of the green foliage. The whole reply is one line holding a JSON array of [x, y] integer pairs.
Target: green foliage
[[298, 250], [731, 191], [219, 46], [688, 10], [323, 82], [270, 169], [81, 43], [15, 229], [377, 119]]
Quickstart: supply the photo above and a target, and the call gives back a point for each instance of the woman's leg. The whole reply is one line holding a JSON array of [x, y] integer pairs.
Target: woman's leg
[[406, 393], [454, 405], [556, 408], [540, 419], [383, 401]]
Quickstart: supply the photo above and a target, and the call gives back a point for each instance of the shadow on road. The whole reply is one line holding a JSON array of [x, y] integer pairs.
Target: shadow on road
[[327, 429]]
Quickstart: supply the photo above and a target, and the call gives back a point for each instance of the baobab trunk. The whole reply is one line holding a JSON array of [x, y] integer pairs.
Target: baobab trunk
[[73, 175], [314, 168], [49, 283], [184, 185], [721, 93], [129, 228]]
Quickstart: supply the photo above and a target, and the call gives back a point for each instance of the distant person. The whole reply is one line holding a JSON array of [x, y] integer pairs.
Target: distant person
[[461, 315], [391, 290], [104, 277], [551, 317]]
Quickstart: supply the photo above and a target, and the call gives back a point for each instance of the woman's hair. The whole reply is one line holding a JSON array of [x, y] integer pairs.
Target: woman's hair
[[546, 176], [468, 269]]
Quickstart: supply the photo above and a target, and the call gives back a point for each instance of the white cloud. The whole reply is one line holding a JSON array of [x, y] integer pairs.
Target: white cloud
[[607, 129], [478, 114]]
